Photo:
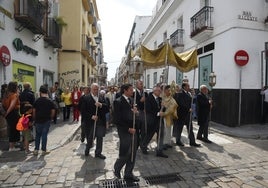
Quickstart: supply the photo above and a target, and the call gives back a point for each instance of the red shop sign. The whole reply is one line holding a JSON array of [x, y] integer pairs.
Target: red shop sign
[[5, 56], [241, 57]]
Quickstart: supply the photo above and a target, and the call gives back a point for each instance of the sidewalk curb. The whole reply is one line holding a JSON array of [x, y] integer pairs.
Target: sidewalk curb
[[68, 138], [239, 132]]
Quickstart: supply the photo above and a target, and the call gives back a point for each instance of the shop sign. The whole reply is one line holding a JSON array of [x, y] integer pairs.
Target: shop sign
[[246, 15], [19, 46], [5, 55], [241, 57], [25, 72]]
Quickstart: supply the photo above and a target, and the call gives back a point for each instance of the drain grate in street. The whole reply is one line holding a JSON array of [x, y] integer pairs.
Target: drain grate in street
[[161, 179], [144, 181], [118, 183]]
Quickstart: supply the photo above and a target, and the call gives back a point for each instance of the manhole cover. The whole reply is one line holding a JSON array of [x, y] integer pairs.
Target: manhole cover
[[118, 183], [144, 181], [161, 179]]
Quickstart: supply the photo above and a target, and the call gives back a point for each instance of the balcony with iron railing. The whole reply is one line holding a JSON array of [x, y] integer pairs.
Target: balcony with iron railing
[[53, 36], [86, 5], [29, 13], [201, 24], [87, 50], [176, 38]]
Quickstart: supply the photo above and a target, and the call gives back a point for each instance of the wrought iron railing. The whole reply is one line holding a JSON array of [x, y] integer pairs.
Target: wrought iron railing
[[176, 38], [32, 9], [86, 43], [53, 33], [201, 20]]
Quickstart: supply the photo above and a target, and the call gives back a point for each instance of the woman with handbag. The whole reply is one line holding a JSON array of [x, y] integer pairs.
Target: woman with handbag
[[11, 103]]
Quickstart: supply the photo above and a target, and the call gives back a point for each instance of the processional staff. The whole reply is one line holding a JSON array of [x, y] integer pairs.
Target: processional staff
[[96, 115], [135, 71], [165, 81]]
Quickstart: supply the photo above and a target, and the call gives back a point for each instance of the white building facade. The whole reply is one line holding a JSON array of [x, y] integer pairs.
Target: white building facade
[[218, 30], [26, 51]]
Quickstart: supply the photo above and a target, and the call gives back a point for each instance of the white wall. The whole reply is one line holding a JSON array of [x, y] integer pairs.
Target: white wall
[[230, 34], [46, 59]]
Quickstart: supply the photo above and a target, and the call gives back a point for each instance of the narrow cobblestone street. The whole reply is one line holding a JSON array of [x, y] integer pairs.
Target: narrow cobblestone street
[[228, 162]]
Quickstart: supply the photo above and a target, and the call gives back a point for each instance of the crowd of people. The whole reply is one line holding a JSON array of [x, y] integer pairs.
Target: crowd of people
[[137, 114]]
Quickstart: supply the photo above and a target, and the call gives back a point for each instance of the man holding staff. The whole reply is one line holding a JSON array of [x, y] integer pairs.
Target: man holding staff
[[123, 118], [94, 120]]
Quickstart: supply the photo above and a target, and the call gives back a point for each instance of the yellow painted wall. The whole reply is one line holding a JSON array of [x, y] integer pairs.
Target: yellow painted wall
[[70, 63], [71, 12], [23, 73]]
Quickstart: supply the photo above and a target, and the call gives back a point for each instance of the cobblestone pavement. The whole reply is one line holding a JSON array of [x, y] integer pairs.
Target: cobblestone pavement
[[227, 162]]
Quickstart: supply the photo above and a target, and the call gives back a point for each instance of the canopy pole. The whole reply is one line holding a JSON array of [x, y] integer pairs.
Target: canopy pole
[[190, 119], [165, 81], [166, 63], [144, 84]]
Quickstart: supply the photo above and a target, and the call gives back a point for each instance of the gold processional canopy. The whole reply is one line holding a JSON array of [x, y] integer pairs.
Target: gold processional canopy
[[165, 56]]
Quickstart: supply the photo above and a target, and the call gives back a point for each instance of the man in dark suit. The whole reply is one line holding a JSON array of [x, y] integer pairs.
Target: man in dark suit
[[153, 108], [184, 100], [203, 109], [140, 101], [81, 106], [91, 105], [123, 118]]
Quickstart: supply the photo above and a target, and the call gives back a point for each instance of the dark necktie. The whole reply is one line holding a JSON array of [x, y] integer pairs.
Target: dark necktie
[[129, 100], [158, 102], [188, 94]]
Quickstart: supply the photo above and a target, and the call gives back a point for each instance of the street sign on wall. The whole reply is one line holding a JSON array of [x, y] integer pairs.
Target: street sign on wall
[[241, 57], [5, 57]]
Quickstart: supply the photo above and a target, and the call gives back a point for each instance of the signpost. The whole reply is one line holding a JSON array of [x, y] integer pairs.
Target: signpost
[[241, 58]]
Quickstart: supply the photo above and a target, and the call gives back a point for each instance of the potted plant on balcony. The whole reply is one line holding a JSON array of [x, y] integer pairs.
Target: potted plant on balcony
[[61, 23]]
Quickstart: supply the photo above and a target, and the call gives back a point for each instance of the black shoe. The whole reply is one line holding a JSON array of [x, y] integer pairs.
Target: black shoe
[[82, 140], [144, 151], [195, 145], [179, 144], [168, 146], [131, 178], [100, 156], [207, 141], [164, 147], [86, 152], [161, 154], [117, 175], [199, 138]]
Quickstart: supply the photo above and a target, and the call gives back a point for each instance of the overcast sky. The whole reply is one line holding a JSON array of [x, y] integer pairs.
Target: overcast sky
[[116, 20]]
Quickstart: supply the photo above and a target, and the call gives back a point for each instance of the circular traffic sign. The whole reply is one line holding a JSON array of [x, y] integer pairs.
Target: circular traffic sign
[[5, 55], [241, 57]]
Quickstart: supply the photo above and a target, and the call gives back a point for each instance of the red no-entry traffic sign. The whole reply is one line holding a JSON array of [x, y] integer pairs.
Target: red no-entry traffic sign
[[241, 57]]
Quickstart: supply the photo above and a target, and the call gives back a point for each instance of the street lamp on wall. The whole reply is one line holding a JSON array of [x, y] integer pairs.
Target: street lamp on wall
[[212, 83], [212, 79], [97, 40]]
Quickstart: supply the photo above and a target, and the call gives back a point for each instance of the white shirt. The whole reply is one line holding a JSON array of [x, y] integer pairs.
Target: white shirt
[[95, 97], [265, 93]]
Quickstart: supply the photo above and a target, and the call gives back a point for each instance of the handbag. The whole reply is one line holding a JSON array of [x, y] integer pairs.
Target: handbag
[[62, 104]]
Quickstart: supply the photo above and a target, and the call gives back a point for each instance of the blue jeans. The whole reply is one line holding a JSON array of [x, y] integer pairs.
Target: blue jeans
[[41, 130]]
